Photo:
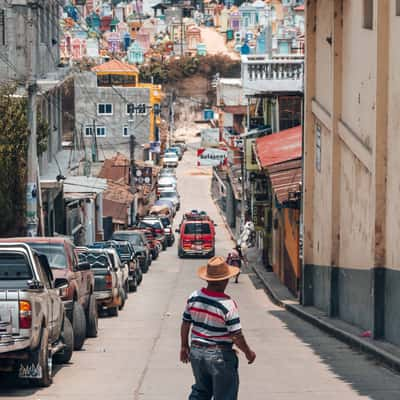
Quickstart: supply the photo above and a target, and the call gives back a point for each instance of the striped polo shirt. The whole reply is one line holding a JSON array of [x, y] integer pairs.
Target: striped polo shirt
[[214, 317]]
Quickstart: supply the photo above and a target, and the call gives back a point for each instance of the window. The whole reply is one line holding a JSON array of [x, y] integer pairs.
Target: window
[[368, 14], [2, 28], [100, 131], [104, 109], [397, 8], [14, 267], [125, 130], [197, 228], [89, 130]]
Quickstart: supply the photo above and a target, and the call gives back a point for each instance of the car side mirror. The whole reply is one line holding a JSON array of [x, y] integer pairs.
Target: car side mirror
[[176, 230], [215, 224], [61, 283], [83, 266]]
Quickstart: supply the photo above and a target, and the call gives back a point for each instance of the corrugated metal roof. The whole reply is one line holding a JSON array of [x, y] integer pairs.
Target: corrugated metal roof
[[279, 147], [286, 179]]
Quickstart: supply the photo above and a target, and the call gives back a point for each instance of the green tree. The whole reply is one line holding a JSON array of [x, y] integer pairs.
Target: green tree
[[13, 155]]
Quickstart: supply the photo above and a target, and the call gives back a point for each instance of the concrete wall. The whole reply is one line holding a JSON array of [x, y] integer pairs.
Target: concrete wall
[[88, 95], [351, 219]]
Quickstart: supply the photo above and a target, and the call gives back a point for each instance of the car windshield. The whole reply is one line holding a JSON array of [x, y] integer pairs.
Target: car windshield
[[14, 267], [192, 229], [55, 253], [153, 223], [96, 260], [165, 221], [170, 155], [123, 250], [131, 237], [167, 194]]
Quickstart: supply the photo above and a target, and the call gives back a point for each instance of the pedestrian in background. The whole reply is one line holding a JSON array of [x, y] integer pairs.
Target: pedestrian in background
[[215, 322]]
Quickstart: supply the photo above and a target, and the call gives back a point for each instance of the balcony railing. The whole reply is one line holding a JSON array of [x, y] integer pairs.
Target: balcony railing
[[260, 74]]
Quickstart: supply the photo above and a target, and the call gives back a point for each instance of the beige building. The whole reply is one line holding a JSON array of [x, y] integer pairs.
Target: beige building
[[352, 165]]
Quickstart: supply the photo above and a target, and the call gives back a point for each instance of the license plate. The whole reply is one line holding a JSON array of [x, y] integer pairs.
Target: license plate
[[30, 371], [197, 247]]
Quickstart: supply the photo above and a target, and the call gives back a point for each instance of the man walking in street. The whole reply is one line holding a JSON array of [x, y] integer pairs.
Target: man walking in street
[[214, 319]]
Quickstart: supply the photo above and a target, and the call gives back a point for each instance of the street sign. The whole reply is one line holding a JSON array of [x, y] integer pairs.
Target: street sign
[[155, 147], [144, 176], [211, 157], [208, 114]]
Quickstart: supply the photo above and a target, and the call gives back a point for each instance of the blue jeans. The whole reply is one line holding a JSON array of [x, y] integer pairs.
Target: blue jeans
[[215, 372]]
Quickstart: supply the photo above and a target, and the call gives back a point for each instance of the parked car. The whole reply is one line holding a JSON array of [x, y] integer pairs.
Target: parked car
[[196, 238], [78, 297], [166, 183], [181, 143], [34, 329], [120, 267], [127, 254], [167, 172], [106, 286], [139, 242], [151, 240], [173, 196], [167, 225], [156, 225], [166, 202], [177, 150], [170, 160]]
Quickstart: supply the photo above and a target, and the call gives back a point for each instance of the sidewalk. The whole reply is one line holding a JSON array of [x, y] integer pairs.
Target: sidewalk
[[280, 295], [384, 352]]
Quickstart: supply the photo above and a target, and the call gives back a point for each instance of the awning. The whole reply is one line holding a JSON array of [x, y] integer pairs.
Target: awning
[[286, 180], [84, 184], [279, 147]]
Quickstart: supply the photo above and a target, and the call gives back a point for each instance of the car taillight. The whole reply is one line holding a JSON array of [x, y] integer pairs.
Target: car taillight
[[64, 293], [108, 279], [25, 314], [187, 242], [131, 266]]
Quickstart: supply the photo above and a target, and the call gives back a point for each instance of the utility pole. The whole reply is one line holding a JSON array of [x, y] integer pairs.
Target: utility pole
[[171, 118], [32, 161], [94, 142], [132, 173], [181, 32]]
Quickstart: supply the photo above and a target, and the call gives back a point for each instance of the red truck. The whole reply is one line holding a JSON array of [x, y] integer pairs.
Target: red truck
[[197, 237], [78, 298]]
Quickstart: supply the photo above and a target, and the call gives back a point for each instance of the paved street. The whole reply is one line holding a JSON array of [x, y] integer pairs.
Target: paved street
[[136, 355]]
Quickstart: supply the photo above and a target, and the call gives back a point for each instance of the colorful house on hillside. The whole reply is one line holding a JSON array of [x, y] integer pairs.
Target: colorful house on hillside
[[143, 39], [135, 54], [234, 21], [193, 37]]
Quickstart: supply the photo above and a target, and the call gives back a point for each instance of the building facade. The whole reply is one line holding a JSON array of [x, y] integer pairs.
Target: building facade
[[351, 187]]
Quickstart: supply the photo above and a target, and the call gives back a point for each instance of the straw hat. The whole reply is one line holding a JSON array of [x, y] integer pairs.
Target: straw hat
[[217, 270]]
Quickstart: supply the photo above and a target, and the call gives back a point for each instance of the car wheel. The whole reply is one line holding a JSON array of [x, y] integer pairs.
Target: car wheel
[[150, 260], [67, 337], [212, 254], [113, 311], [78, 325], [139, 276], [145, 267], [133, 284], [92, 318], [164, 245], [122, 297], [42, 359], [180, 253]]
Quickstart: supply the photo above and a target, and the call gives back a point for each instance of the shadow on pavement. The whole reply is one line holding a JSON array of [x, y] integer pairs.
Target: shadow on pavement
[[13, 387], [363, 373]]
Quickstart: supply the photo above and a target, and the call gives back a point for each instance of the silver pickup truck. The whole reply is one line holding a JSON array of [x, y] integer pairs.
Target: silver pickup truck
[[34, 330]]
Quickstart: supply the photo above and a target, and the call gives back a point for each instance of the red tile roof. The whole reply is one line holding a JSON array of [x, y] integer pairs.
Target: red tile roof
[[279, 147], [116, 169], [115, 66]]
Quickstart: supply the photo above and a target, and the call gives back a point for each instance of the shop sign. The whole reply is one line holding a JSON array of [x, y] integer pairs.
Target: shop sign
[[211, 157]]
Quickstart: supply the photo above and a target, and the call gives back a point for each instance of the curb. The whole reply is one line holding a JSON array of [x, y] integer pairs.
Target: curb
[[353, 341]]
